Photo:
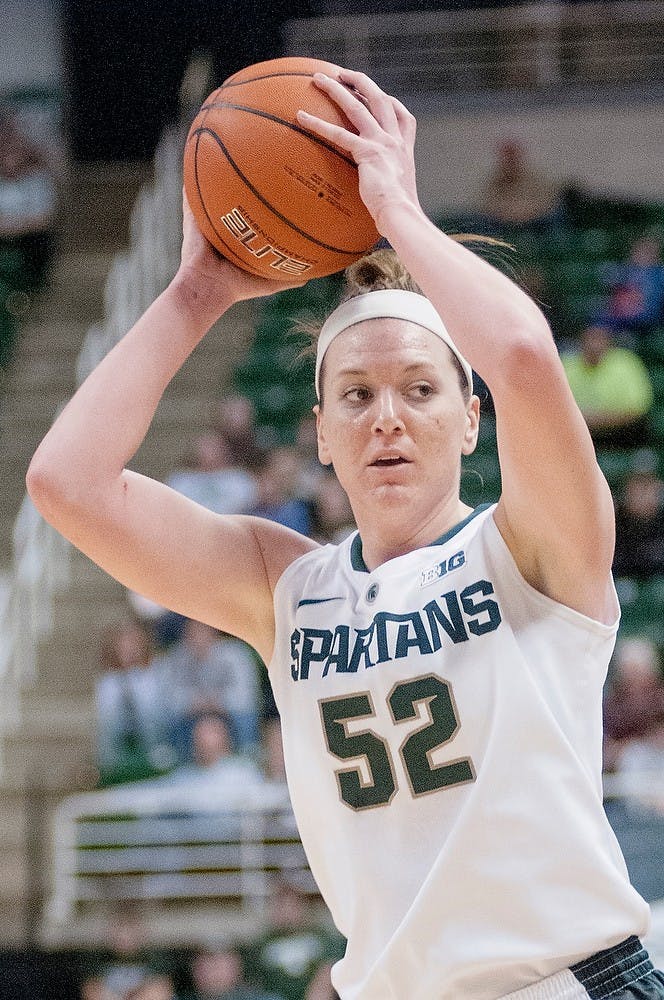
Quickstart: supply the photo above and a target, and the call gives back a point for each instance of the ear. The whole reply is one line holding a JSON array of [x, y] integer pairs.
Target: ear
[[324, 456], [472, 426]]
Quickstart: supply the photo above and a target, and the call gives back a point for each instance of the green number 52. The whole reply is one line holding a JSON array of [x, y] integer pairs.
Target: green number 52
[[375, 784]]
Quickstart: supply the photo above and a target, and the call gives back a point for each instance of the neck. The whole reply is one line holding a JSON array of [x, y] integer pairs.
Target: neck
[[383, 540]]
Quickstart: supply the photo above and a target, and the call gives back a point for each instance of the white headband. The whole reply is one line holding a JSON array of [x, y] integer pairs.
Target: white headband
[[386, 303]]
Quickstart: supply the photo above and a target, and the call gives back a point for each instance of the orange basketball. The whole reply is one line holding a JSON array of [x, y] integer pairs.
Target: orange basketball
[[271, 196]]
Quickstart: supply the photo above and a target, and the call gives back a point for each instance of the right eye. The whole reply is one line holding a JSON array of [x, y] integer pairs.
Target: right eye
[[357, 394]]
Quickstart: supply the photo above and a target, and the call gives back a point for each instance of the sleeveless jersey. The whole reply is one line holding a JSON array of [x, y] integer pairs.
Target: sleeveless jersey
[[442, 727]]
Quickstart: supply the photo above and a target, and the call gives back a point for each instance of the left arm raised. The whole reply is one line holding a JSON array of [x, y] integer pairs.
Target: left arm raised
[[556, 511]]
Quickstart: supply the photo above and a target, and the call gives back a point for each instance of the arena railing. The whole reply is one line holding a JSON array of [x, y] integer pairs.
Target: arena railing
[[41, 557], [162, 842], [138, 276], [41, 567], [157, 843], [457, 53]]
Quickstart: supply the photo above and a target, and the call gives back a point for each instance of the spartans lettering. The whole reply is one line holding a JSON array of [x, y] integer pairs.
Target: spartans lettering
[[451, 617]]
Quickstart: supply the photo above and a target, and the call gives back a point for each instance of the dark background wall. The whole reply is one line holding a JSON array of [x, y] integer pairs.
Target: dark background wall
[[124, 61]]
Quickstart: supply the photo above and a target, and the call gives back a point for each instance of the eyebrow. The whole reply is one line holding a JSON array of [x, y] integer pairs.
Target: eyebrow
[[416, 366]]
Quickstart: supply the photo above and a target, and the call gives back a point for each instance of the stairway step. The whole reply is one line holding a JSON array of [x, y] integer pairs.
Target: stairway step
[[97, 205], [50, 339], [13, 877], [69, 658], [61, 762], [25, 425], [57, 718], [12, 819], [50, 372], [77, 613]]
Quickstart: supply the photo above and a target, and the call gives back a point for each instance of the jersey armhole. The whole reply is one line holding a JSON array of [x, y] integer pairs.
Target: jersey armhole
[[501, 549]]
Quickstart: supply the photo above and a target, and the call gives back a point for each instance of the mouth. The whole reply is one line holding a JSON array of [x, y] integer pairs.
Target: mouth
[[391, 462]]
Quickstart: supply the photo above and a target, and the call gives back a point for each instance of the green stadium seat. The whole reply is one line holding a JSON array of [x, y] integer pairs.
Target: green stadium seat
[[642, 607], [480, 478], [650, 346], [656, 422], [8, 326], [616, 464], [656, 372]]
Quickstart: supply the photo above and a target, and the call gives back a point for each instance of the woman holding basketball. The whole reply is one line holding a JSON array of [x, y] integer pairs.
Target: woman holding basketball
[[438, 675]]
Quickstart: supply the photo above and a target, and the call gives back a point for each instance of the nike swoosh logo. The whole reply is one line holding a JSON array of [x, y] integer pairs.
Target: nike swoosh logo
[[318, 600]]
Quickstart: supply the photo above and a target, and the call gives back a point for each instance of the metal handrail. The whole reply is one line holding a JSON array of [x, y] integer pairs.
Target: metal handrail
[[161, 841], [41, 556], [529, 47]]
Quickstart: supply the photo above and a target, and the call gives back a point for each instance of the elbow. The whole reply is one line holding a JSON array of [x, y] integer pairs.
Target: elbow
[[50, 488], [42, 485], [530, 355]]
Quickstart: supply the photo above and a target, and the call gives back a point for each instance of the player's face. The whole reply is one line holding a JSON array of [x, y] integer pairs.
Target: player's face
[[394, 422]]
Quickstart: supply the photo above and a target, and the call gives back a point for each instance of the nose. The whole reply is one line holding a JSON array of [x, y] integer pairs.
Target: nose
[[387, 417]]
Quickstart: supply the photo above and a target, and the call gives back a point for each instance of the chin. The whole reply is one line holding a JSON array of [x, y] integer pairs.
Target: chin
[[393, 494]]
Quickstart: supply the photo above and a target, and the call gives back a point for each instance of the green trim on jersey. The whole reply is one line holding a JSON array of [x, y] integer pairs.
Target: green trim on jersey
[[357, 559]]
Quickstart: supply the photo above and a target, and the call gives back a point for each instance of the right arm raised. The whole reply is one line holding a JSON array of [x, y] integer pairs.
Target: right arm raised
[[220, 570]]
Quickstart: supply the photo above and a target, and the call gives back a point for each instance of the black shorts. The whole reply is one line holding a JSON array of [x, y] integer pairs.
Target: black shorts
[[623, 972]]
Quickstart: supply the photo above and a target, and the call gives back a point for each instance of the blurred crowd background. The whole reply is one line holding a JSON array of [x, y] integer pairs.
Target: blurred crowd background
[[170, 707]]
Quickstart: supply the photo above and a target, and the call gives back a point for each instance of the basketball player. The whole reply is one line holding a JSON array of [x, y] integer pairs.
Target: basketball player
[[439, 675]]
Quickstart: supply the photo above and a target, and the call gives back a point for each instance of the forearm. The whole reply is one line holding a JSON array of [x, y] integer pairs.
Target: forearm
[[487, 314], [105, 422]]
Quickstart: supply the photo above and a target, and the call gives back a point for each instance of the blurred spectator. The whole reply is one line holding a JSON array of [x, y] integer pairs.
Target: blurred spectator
[[288, 955], [332, 516], [131, 712], [306, 447], [217, 781], [211, 741], [166, 627], [320, 987], [209, 671], [226, 779], [635, 287], [612, 388], [154, 988], [271, 740], [516, 194], [277, 498], [28, 200], [634, 702], [634, 752], [643, 758], [639, 549], [234, 417], [211, 479], [218, 974], [128, 964], [634, 724]]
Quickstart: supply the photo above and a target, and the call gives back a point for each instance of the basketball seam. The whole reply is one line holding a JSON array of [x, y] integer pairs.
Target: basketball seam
[[312, 239], [240, 261], [232, 82], [282, 121]]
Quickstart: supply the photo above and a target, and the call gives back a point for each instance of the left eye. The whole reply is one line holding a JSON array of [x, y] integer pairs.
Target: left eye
[[421, 390]]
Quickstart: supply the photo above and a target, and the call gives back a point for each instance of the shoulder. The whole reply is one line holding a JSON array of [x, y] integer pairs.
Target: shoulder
[[279, 546], [314, 571]]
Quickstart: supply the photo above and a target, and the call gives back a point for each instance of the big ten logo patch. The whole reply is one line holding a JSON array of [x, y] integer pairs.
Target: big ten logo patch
[[442, 568]]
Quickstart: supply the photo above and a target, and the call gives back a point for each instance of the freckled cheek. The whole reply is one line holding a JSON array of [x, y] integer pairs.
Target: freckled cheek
[[344, 441]]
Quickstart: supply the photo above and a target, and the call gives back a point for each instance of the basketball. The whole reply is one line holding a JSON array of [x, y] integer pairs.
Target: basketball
[[272, 197]]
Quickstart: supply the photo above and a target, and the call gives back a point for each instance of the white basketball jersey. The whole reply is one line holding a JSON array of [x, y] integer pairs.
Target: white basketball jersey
[[442, 735]]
